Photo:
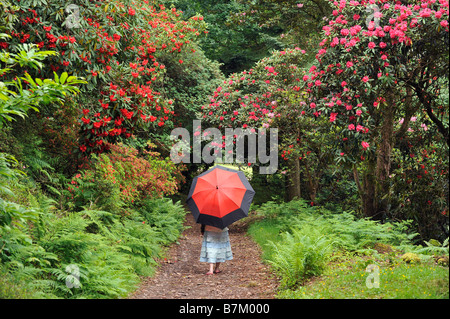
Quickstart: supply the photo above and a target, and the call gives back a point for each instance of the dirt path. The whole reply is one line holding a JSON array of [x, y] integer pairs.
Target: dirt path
[[182, 276]]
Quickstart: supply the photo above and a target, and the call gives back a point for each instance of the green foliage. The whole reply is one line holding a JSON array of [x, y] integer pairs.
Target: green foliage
[[298, 23], [161, 214], [189, 84], [264, 232], [15, 98], [232, 39], [104, 269], [434, 247], [273, 209], [419, 179], [335, 248], [13, 288], [122, 177], [410, 258], [22, 93], [116, 46], [7, 172], [48, 253], [45, 252], [107, 221], [300, 255], [106, 252], [15, 215], [346, 279], [347, 231], [341, 114]]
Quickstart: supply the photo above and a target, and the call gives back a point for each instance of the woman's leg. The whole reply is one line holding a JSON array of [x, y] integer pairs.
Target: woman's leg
[[216, 270], [211, 269]]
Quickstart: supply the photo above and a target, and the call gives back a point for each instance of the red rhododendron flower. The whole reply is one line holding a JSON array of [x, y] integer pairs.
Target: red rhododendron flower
[[98, 124]]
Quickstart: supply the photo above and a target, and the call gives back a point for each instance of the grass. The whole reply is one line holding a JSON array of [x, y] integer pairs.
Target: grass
[[346, 275], [347, 279], [263, 232]]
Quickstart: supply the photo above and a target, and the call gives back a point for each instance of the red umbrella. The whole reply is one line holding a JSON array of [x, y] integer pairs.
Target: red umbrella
[[220, 196]]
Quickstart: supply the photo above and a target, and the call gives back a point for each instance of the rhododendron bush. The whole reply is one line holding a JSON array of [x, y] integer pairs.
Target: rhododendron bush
[[249, 99], [379, 65], [364, 71], [372, 70], [266, 96], [419, 178], [122, 177], [116, 46]]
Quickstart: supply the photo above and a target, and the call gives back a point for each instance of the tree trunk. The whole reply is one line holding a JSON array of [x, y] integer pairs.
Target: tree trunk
[[375, 188], [384, 158], [293, 179], [313, 182], [368, 195]]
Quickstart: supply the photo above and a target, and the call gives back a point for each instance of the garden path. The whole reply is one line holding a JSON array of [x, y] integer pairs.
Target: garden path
[[181, 275]]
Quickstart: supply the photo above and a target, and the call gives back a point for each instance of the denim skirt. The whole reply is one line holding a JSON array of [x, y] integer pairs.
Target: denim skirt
[[216, 247]]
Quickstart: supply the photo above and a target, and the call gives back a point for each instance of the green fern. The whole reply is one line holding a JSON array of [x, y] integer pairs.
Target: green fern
[[165, 216], [300, 255]]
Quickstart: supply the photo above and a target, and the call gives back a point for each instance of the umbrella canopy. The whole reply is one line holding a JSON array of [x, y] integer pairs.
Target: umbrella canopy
[[220, 196]]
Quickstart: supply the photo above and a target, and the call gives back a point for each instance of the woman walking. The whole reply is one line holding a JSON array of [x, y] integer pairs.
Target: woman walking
[[216, 247]]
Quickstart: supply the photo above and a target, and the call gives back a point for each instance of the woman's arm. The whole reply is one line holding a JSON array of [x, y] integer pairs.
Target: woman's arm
[[202, 229]]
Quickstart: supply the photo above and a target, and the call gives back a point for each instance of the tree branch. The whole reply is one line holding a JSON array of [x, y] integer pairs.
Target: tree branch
[[425, 100]]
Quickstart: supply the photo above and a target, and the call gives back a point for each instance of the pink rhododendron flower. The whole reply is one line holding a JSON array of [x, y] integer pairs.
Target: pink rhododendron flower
[[333, 117], [365, 145]]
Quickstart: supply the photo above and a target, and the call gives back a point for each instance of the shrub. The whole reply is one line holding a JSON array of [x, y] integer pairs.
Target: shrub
[[290, 209], [302, 254], [43, 249], [165, 216], [122, 177], [103, 270], [311, 234], [12, 288], [117, 47], [347, 231], [410, 258]]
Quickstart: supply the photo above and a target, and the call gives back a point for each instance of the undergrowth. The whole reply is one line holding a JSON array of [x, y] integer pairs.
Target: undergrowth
[[318, 253], [46, 252]]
